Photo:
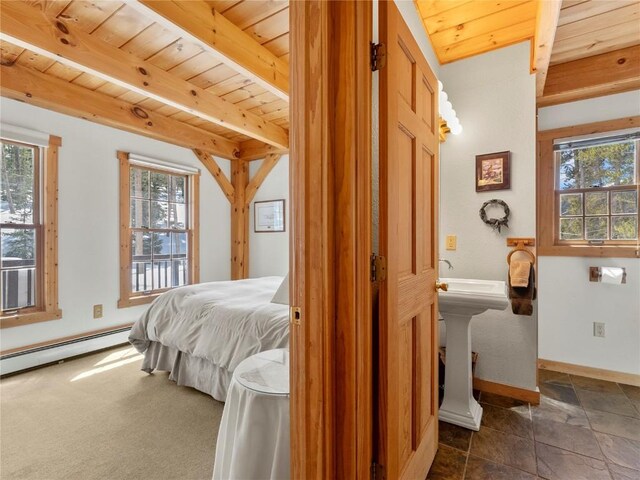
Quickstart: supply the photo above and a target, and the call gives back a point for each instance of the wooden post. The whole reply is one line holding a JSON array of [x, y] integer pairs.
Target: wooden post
[[330, 240], [239, 221]]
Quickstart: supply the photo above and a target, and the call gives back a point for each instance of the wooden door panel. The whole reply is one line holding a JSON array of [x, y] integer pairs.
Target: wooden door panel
[[405, 383], [406, 76], [426, 97], [424, 179], [406, 207], [408, 203], [424, 372]]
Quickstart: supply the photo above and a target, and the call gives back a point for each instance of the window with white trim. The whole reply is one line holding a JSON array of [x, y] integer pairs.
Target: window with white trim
[[158, 228]]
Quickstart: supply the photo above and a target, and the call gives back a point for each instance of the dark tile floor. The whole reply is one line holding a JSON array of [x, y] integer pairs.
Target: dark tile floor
[[583, 429]]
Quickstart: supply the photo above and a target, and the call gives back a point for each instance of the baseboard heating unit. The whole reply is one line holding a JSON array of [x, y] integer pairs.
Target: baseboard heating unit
[[55, 352]]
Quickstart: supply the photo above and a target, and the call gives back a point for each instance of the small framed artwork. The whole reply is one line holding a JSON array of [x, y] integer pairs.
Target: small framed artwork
[[268, 216], [493, 171]]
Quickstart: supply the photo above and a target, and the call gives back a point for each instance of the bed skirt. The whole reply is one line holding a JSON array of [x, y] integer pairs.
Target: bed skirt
[[187, 370]]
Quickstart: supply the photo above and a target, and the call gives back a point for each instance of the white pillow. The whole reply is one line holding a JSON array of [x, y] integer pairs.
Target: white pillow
[[282, 295]]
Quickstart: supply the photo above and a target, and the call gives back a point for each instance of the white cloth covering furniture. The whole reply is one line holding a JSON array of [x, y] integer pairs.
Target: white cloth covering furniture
[[253, 440], [200, 333]]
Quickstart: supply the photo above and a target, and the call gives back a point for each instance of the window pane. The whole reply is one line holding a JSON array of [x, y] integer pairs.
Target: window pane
[[179, 243], [571, 204], [624, 202], [159, 186], [179, 273], [18, 251], [162, 274], [624, 227], [17, 183], [18, 247], [571, 229], [177, 216], [597, 228], [139, 213], [596, 203], [159, 215], [139, 180], [161, 246], [178, 188], [140, 246], [598, 166], [141, 276], [18, 288]]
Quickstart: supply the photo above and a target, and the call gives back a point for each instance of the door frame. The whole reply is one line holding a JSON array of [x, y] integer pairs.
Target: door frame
[[330, 238]]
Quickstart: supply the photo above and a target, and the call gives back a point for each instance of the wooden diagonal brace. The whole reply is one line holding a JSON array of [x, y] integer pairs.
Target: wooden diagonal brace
[[267, 165], [217, 173]]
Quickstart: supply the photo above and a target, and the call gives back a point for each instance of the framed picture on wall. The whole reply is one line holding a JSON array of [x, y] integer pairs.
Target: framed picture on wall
[[493, 171], [269, 216]]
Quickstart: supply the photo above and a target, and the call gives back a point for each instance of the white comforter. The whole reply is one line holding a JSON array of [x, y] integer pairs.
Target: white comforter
[[224, 322]]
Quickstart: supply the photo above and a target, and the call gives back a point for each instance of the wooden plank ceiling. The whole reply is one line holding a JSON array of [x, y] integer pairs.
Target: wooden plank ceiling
[[596, 51], [84, 46], [581, 48], [592, 27], [462, 28]]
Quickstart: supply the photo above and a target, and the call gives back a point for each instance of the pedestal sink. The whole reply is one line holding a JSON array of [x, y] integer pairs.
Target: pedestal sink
[[464, 299]]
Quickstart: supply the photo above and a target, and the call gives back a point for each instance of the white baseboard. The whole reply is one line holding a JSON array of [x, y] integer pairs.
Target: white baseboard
[[41, 356]]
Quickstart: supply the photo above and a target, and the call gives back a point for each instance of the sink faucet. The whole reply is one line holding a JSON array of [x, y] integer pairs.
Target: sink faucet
[[447, 262]]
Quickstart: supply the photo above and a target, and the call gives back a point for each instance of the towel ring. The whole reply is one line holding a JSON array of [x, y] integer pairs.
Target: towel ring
[[519, 249]]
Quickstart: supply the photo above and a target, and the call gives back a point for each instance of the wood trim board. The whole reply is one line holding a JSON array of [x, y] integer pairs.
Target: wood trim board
[[604, 74], [529, 396], [330, 235], [591, 372]]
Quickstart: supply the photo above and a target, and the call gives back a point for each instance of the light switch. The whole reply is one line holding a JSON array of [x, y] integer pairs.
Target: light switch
[[97, 311], [451, 242]]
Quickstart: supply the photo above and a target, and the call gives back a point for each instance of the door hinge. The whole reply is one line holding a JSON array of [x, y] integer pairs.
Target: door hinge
[[377, 471], [378, 56], [378, 268]]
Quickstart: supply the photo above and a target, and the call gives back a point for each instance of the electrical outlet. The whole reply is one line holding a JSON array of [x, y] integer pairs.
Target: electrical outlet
[[97, 311], [598, 329], [451, 242]]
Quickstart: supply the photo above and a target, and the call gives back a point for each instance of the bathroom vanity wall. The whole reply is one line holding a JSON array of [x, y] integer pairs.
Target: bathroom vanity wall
[[568, 302], [494, 97]]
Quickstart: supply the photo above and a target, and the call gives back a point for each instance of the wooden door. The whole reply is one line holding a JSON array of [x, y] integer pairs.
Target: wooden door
[[408, 320]]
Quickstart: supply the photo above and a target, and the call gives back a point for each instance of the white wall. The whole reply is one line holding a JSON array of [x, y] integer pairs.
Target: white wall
[[269, 252], [598, 109], [568, 302], [494, 97], [88, 221]]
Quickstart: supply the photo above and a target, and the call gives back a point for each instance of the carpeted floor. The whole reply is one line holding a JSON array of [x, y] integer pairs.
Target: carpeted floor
[[100, 417]]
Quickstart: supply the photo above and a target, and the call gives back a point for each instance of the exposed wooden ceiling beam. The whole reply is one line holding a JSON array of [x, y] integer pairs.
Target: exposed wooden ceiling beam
[[255, 150], [267, 165], [54, 38], [604, 74], [202, 25], [214, 169], [36, 88], [546, 24]]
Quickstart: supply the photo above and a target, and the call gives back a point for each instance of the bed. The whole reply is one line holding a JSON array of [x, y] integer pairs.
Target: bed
[[200, 333]]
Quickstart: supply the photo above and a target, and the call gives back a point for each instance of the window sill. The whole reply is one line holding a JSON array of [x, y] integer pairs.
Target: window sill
[[136, 301], [609, 251], [17, 320]]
